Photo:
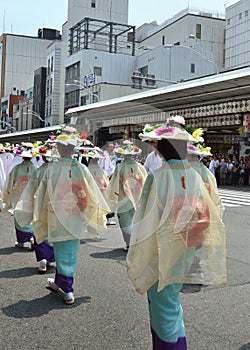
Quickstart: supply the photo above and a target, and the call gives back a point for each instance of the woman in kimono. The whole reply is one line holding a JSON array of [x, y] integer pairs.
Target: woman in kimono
[[2, 176], [99, 175], [13, 188], [44, 251], [125, 187], [194, 154], [174, 216], [66, 201]]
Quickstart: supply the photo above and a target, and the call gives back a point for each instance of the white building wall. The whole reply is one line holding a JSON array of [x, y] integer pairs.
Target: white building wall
[[56, 52], [173, 63], [237, 43], [116, 69], [108, 10], [23, 56], [182, 29]]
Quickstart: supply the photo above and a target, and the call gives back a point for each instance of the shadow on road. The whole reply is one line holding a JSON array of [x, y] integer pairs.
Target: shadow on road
[[116, 254], [12, 250], [245, 347], [41, 306], [23, 272], [191, 288]]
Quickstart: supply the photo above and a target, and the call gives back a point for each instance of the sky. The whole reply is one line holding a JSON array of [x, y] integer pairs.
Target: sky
[[27, 16]]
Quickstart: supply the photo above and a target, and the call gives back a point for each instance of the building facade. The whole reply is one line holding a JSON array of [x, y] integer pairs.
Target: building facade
[[187, 28], [237, 42]]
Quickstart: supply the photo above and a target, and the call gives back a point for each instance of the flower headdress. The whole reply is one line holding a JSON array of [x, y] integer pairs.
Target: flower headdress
[[127, 148], [67, 135], [25, 150], [199, 150], [95, 152], [173, 129], [2, 150], [48, 149], [8, 147]]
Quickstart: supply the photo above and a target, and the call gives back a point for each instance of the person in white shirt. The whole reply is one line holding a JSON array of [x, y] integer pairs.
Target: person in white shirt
[[214, 163], [153, 161], [108, 164]]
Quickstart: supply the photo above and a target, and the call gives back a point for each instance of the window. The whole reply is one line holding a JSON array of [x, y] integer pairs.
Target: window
[[51, 84], [47, 87], [72, 99], [73, 72], [163, 40], [240, 15], [192, 68], [228, 21], [50, 108], [93, 3], [98, 71], [198, 31], [246, 13], [52, 63], [49, 66], [84, 100]]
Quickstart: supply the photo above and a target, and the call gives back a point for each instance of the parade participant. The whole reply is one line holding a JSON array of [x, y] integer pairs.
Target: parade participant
[[66, 201], [153, 160], [94, 155], [194, 155], [37, 159], [44, 251], [125, 187], [99, 175], [174, 216], [108, 164], [2, 176], [82, 150], [7, 158], [13, 188]]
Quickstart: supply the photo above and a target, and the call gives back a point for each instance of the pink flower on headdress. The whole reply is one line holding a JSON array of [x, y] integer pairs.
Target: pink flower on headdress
[[52, 136], [127, 142], [178, 119], [192, 147], [27, 144], [164, 130], [70, 129]]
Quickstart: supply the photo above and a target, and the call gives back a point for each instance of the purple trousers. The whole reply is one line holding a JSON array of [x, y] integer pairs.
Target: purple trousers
[[44, 251], [22, 236]]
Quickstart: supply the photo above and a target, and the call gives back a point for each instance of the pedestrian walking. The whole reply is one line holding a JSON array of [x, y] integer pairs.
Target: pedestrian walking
[[13, 188], [24, 209], [125, 187], [108, 164], [66, 201], [174, 216], [153, 160], [194, 155]]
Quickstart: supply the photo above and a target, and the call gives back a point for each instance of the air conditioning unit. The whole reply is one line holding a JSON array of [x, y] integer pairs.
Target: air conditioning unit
[[150, 79], [137, 79]]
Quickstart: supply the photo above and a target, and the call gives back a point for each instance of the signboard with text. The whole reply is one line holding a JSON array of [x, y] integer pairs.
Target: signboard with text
[[89, 80]]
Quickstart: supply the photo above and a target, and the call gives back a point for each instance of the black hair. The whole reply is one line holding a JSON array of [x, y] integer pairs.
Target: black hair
[[172, 149]]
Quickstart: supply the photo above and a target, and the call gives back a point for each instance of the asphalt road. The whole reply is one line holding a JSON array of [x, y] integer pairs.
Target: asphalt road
[[108, 314]]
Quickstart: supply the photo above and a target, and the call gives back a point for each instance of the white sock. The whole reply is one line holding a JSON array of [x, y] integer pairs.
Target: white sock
[[69, 295]]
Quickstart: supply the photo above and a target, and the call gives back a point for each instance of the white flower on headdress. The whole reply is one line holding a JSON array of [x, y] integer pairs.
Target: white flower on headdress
[[178, 119], [27, 144], [127, 142], [70, 129]]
